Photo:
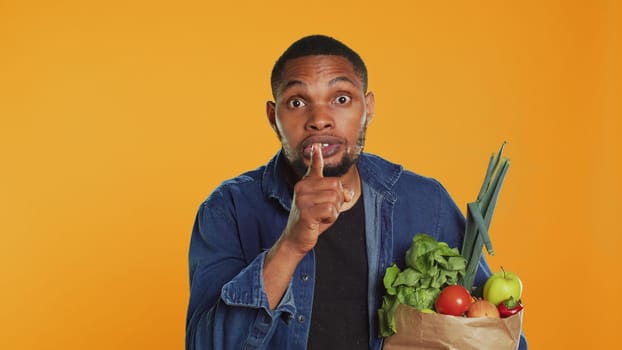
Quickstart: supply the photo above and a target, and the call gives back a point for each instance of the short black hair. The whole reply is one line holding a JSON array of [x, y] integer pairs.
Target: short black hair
[[313, 45]]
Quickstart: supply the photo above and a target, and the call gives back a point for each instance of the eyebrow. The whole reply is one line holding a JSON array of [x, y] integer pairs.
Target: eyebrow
[[340, 79], [293, 83], [332, 82]]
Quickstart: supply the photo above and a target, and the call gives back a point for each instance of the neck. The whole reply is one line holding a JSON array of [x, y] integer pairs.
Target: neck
[[352, 180]]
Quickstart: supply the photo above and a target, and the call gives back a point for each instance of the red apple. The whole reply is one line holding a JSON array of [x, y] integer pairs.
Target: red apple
[[501, 286], [483, 308]]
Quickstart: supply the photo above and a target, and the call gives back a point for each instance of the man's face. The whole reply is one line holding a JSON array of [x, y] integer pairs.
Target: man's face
[[321, 100]]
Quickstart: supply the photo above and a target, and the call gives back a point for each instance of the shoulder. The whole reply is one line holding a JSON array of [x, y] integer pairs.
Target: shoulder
[[396, 178], [235, 186], [422, 204], [244, 179], [409, 180]]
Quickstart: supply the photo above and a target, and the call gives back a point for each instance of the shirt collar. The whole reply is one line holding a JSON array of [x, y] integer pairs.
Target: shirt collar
[[380, 174]]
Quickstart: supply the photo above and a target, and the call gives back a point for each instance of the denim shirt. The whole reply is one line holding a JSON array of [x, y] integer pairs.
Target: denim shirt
[[243, 218]]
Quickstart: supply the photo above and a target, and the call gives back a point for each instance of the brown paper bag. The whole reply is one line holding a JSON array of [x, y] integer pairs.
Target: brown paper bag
[[423, 331]]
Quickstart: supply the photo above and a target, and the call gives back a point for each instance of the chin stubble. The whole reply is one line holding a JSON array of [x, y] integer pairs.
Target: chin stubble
[[348, 160]]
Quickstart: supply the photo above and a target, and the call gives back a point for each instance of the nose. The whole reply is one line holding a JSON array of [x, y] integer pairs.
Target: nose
[[319, 119]]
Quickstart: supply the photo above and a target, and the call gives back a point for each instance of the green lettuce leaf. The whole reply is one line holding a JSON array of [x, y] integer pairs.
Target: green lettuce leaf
[[430, 267], [390, 276]]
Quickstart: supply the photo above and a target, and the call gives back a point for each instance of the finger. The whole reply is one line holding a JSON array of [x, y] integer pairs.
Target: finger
[[309, 200], [316, 164], [325, 213]]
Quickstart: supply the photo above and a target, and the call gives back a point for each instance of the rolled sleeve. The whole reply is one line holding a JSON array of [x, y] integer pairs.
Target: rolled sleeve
[[247, 290]]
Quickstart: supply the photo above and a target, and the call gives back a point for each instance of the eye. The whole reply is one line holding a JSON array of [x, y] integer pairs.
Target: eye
[[296, 103], [343, 99]]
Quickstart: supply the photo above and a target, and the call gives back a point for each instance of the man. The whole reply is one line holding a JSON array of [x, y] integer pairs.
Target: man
[[292, 254]]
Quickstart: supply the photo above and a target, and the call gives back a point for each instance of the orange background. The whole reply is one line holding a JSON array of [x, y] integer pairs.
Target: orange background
[[118, 119]]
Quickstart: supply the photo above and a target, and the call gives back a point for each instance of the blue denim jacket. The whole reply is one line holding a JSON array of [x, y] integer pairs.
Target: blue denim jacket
[[242, 219]]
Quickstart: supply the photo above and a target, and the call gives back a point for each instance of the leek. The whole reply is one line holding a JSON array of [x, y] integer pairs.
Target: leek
[[479, 216]]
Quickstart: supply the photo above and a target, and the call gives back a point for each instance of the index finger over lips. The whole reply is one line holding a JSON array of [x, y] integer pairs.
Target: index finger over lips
[[316, 165]]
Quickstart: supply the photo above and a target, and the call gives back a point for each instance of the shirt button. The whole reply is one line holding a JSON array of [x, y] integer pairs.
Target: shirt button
[[304, 277], [301, 318]]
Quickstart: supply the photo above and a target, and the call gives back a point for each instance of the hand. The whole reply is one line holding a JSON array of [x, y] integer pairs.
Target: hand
[[316, 205]]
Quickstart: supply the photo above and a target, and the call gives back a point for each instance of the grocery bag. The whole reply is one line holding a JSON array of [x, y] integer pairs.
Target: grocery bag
[[418, 330]]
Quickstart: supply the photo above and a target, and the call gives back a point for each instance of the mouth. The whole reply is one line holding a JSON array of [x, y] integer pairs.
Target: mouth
[[330, 145]]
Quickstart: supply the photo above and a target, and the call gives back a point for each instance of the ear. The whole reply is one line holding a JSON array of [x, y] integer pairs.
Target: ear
[[271, 114], [370, 105]]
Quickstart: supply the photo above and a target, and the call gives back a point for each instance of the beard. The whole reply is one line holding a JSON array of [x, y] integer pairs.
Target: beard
[[336, 170], [347, 161]]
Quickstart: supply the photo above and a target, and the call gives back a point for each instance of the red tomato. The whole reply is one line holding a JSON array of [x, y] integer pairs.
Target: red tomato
[[453, 300]]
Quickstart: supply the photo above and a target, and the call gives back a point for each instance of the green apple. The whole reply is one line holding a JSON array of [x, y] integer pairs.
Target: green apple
[[501, 286]]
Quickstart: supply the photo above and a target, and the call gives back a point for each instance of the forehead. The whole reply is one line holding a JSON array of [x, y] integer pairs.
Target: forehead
[[315, 69]]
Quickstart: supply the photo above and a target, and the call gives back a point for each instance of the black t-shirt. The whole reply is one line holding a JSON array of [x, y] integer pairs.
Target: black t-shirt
[[339, 318]]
